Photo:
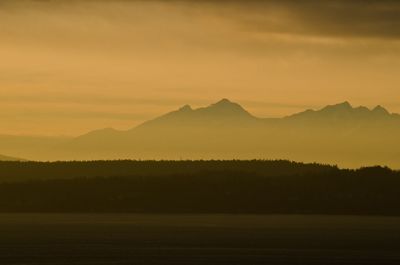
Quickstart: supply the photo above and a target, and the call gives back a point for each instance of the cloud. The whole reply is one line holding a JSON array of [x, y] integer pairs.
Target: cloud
[[330, 18]]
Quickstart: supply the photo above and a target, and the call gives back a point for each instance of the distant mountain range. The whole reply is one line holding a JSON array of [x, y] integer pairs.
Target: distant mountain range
[[337, 134], [344, 112], [225, 114]]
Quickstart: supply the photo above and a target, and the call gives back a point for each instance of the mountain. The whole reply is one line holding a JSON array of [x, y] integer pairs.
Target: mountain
[[345, 112], [219, 116], [227, 113], [222, 113], [33, 147], [167, 136], [8, 158], [336, 134]]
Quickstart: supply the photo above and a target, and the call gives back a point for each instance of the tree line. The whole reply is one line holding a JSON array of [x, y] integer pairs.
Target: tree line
[[254, 187]]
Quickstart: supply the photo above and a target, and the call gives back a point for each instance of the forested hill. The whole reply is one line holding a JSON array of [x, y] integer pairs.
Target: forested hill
[[258, 187]]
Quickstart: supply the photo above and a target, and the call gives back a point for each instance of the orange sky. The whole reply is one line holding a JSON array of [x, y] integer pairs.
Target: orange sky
[[68, 67]]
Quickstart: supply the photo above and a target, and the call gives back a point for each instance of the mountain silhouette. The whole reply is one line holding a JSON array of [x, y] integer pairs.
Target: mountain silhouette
[[224, 112], [336, 134], [9, 158], [343, 112]]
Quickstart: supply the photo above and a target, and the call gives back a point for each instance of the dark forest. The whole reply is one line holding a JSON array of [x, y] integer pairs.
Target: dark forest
[[259, 187]]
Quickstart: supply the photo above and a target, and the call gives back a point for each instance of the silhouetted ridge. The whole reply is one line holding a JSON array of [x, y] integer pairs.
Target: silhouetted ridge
[[101, 133], [343, 111], [380, 110], [339, 134], [225, 107], [226, 104], [186, 108], [221, 112], [345, 106]]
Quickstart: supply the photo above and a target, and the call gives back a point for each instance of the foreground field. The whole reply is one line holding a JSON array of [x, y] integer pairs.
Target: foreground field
[[197, 239]]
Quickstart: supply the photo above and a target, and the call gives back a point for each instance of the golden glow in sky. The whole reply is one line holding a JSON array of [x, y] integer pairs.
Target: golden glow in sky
[[67, 67]]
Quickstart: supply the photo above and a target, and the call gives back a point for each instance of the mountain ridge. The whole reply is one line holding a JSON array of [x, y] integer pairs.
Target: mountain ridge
[[226, 112], [223, 111], [346, 109], [338, 134]]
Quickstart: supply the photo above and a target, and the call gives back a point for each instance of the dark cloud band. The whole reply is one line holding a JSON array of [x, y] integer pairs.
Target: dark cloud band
[[330, 18]]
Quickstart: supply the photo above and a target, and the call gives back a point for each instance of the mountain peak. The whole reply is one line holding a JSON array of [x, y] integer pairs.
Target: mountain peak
[[186, 108], [344, 106], [226, 107], [221, 112], [224, 103], [380, 110]]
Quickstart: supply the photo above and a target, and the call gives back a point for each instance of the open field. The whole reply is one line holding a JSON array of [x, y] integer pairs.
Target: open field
[[30, 239]]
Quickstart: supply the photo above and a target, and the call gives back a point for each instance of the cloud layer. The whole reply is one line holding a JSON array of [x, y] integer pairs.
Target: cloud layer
[[331, 18]]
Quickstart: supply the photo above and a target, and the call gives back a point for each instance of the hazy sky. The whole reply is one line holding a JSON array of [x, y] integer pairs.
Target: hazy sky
[[67, 67]]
